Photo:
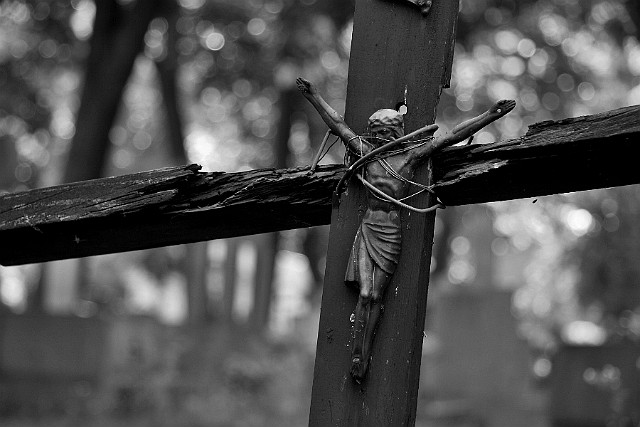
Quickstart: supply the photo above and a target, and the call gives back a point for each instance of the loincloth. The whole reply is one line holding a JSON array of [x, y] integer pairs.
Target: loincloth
[[381, 233]]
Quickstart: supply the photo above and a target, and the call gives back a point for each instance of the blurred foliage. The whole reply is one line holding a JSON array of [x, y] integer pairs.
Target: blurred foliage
[[237, 61], [240, 57], [236, 66], [557, 58], [38, 44], [235, 58], [607, 258]]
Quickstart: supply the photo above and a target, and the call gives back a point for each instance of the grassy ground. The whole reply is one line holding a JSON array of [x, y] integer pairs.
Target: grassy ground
[[220, 378]]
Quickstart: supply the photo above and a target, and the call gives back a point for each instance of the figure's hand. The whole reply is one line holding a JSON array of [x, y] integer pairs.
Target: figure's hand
[[502, 107], [305, 86]]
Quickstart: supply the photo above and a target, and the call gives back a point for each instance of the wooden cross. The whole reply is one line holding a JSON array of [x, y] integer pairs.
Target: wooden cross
[[396, 50], [397, 55]]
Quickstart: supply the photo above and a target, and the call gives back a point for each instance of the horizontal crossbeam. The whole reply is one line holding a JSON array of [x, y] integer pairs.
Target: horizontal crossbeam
[[182, 205], [554, 157]]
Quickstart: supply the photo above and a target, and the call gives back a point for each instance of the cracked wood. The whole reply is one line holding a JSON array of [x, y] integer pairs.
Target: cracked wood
[[180, 205], [159, 208], [574, 154]]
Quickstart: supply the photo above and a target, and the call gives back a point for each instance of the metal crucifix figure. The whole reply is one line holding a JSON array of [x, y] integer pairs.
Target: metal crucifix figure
[[386, 162]]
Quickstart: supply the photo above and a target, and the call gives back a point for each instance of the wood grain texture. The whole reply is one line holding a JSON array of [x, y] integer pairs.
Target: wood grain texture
[[574, 154], [395, 51], [180, 205], [159, 208]]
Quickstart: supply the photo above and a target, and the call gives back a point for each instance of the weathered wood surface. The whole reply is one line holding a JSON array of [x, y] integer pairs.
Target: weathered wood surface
[[159, 208], [395, 52], [180, 205], [561, 156]]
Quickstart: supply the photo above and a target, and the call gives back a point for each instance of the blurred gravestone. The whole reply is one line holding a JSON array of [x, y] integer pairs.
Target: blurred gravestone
[[477, 355], [596, 386], [49, 363]]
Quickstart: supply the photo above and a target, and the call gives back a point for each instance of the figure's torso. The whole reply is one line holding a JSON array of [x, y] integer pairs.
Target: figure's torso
[[383, 179]]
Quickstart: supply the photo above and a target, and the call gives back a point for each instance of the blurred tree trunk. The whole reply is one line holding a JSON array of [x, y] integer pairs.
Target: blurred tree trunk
[[314, 247], [8, 163], [117, 39], [477, 222], [167, 66], [118, 36], [441, 249], [316, 239], [266, 252], [338, 11], [633, 6], [197, 267], [196, 262], [267, 246], [230, 276]]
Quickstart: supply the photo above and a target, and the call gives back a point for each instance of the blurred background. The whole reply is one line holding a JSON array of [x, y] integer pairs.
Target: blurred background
[[534, 305]]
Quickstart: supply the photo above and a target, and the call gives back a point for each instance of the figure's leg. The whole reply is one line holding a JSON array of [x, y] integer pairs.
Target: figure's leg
[[468, 128], [362, 312], [381, 280]]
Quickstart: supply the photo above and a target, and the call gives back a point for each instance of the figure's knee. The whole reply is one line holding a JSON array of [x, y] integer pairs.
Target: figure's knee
[[376, 296], [379, 286], [365, 295]]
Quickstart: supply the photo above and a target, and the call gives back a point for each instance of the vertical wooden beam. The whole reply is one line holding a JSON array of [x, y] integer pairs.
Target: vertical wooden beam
[[395, 51]]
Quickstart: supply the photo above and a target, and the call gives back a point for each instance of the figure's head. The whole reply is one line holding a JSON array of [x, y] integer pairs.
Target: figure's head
[[386, 124]]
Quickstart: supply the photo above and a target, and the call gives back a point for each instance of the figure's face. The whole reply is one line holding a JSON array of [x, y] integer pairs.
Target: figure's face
[[387, 133]]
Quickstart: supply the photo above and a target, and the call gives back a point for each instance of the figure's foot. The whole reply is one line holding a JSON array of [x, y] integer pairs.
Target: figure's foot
[[359, 367]]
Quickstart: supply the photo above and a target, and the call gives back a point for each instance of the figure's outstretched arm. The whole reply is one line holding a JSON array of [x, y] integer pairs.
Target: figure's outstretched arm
[[465, 129], [468, 128], [330, 116]]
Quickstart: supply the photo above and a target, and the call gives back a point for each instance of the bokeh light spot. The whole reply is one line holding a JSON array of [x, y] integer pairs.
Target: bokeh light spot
[[256, 26], [586, 91], [214, 41]]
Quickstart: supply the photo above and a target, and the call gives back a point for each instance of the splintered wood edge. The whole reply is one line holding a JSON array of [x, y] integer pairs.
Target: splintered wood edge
[[567, 155], [183, 204], [163, 192]]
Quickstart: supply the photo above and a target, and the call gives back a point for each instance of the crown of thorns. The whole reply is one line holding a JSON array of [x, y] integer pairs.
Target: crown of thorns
[[386, 118]]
